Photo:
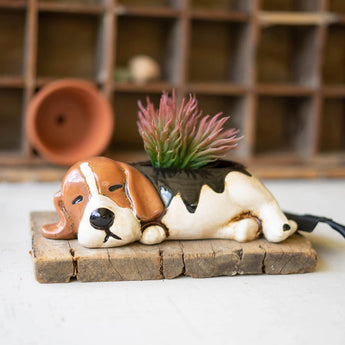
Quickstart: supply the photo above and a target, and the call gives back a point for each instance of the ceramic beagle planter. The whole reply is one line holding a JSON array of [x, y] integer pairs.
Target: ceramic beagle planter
[[105, 203]]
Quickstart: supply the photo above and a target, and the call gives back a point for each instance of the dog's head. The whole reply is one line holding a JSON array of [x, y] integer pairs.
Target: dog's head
[[102, 202]]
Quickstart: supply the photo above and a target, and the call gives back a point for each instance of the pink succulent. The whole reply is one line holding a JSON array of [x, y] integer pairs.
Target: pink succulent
[[182, 137]]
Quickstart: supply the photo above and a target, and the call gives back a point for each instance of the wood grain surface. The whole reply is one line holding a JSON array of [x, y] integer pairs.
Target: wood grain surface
[[59, 261]]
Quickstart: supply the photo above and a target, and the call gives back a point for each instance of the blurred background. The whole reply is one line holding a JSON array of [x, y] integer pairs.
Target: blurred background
[[277, 67]]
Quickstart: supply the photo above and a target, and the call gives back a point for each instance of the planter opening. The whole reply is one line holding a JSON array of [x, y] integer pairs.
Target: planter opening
[[68, 121]]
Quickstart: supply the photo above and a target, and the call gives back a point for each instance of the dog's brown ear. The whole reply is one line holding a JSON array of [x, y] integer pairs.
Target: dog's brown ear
[[144, 198], [63, 229]]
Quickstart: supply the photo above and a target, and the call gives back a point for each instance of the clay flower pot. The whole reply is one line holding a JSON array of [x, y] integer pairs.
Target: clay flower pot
[[69, 120]]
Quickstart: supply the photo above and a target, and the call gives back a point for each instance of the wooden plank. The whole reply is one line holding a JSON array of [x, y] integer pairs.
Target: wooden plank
[[11, 82], [52, 260], [59, 261], [284, 90], [321, 169], [296, 18], [334, 91], [151, 87], [145, 11], [13, 4], [217, 88], [81, 8], [219, 15]]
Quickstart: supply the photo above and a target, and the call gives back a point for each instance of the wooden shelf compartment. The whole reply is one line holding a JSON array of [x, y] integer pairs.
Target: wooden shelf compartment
[[332, 129], [11, 101], [218, 52], [158, 37], [125, 106], [291, 5], [268, 76], [67, 45], [337, 6], [333, 71], [282, 127], [12, 33], [285, 55]]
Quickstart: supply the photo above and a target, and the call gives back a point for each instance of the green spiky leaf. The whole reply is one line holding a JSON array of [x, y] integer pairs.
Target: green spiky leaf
[[182, 137]]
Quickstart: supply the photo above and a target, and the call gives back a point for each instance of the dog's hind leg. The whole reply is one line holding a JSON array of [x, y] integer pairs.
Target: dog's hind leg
[[243, 230]]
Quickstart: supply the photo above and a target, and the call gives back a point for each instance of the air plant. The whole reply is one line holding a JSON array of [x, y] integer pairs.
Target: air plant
[[182, 137]]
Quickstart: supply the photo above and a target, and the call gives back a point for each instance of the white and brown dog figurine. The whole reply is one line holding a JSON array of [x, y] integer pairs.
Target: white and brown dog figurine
[[105, 203]]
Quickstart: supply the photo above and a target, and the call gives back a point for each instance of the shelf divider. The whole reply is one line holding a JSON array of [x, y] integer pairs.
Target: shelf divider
[[30, 60], [250, 113], [316, 120], [105, 71]]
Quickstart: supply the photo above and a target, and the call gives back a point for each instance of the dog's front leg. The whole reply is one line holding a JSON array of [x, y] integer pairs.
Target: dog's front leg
[[153, 234]]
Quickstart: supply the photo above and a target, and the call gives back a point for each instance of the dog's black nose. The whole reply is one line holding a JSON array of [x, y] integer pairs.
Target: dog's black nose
[[286, 227], [102, 218]]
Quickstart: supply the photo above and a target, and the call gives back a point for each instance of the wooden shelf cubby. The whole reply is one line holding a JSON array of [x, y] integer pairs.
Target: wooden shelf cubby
[[336, 6], [332, 137], [11, 100], [222, 43], [12, 32], [281, 125], [276, 67], [66, 45], [334, 58], [284, 55], [157, 39]]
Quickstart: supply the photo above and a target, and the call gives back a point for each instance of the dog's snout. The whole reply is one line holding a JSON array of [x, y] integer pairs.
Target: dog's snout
[[286, 227], [102, 218]]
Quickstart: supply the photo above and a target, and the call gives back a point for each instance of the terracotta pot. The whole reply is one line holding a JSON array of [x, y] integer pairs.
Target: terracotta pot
[[69, 120]]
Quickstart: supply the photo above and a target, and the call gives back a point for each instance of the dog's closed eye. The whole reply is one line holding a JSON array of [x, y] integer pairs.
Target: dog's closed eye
[[77, 200], [115, 187]]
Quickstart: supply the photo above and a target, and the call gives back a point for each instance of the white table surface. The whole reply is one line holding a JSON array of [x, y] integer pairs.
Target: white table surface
[[292, 309]]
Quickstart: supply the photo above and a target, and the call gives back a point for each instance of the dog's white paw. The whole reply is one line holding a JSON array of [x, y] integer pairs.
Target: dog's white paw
[[153, 234], [293, 225], [246, 230]]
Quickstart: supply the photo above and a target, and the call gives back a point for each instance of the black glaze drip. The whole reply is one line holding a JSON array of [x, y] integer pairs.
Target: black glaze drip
[[170, 181]]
